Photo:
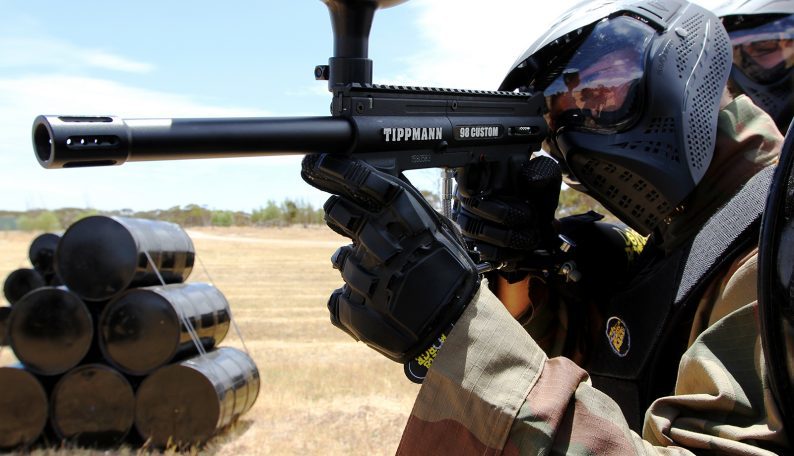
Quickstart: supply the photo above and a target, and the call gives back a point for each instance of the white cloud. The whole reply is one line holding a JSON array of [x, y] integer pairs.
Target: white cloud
[[464, 44], [64, 94], [106, 60], [26, 52], [469, 44], [314, 89], [241, 184]]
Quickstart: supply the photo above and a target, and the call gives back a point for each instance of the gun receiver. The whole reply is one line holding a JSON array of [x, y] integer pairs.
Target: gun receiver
[[393, 128]]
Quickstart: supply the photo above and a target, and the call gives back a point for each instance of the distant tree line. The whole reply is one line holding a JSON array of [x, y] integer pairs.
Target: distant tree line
[[288, 212]]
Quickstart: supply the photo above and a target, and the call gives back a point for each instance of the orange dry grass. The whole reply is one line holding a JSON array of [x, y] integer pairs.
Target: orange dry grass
[[321, 393]]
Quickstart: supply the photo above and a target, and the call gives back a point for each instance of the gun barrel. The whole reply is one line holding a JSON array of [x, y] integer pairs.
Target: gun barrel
[[70, 141]]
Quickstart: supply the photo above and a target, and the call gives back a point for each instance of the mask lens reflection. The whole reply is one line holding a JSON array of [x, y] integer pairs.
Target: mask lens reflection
[[598, 89], [765, 53]]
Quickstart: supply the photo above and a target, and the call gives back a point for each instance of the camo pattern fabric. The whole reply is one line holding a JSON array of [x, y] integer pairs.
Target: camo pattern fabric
[[747, 142], [493, 390]]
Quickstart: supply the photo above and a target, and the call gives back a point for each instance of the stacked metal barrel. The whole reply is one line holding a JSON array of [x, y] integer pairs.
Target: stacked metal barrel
[[111, 338]]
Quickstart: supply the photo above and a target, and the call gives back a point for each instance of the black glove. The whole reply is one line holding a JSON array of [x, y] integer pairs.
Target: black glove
[[407, 274], [508, 224]]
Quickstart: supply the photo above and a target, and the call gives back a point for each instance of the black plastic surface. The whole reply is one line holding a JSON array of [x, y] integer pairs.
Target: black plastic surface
[[50, 330], [20, 282], [23, 408], [5, 313], [190, 401], [141, 330], [99, 257], [92, 405], [42, 253]]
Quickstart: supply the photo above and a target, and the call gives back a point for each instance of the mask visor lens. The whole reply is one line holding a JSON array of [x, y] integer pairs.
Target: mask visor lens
[[765, 53], [598, 88]]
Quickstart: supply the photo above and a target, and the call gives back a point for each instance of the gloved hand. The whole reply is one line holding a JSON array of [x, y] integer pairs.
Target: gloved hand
[[507, 225], [407, 274]]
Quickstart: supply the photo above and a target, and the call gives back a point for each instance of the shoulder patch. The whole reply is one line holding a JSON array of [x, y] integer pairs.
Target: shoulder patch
[[618, 336]]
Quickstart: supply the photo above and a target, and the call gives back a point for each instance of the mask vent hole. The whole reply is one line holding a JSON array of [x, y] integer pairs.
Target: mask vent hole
[[659, 148], [705, 102], [630, 197], [661, 125], [685, 48]]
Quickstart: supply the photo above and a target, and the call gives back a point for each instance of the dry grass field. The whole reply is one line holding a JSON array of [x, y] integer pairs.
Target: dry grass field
[[321, 392]]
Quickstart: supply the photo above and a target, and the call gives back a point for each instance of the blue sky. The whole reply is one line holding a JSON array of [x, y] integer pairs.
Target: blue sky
[[203, 58]]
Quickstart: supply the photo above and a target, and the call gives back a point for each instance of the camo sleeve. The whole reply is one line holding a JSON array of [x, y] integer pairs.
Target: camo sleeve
[[492, 390]]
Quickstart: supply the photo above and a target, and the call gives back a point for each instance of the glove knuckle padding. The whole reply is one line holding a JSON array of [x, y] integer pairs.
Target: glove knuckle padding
[[333, 308], [407, 297], [341, 216], [340, 256], [412, 286], [422, 284], [375, 328], [379, 242], [514, 218], [407, 275], [358, 278], [349, 178], [482, 230]]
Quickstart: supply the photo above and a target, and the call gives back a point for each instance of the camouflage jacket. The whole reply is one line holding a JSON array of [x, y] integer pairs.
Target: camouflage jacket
[[493, 390]]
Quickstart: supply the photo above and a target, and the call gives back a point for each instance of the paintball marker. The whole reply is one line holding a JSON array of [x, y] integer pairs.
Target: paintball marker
[[394, 128]]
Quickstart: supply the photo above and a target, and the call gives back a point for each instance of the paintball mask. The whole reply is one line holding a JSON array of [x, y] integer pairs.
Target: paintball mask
[[632, 93], [763, 55]]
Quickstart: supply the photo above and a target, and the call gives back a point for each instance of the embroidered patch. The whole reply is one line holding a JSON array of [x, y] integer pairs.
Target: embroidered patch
[[618, 336]]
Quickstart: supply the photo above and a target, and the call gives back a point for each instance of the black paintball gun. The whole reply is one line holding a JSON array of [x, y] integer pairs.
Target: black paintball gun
[[394, 128]]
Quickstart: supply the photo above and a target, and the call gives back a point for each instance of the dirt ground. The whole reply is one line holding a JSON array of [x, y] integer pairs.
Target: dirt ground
[[321, 392]]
